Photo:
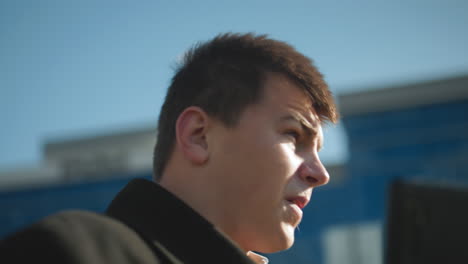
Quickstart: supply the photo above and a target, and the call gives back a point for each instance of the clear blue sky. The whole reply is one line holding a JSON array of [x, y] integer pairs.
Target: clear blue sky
[[71, 68]]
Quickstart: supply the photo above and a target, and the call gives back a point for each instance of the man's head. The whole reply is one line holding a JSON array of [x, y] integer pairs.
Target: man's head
[[225, 75], [238, 137]]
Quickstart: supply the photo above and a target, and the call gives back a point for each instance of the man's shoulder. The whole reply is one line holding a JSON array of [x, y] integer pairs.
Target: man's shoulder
[[80, 237], [80, 223]]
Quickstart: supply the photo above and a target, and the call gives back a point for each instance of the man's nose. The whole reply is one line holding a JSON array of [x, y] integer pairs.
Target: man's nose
[[313, 173]]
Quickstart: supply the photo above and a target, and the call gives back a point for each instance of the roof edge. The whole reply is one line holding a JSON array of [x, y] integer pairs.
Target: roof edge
[[404, 96]]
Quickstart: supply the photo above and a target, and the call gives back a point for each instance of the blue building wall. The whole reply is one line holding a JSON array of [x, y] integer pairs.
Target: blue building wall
[[24, 207], [424, 144]]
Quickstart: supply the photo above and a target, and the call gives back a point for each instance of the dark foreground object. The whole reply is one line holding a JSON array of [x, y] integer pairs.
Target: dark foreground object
[[427, 224]]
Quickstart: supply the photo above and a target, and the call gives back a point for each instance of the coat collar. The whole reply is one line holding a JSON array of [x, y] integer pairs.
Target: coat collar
[[166, 221]]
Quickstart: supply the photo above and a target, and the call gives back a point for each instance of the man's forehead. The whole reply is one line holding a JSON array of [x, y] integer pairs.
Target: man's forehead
[[284, 92], [292, 89]]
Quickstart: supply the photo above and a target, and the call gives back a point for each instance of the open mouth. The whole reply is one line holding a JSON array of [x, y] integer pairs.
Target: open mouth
[[301, 202]]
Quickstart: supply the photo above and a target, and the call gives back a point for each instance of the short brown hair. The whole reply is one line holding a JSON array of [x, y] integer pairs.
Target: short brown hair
[[225, 75]]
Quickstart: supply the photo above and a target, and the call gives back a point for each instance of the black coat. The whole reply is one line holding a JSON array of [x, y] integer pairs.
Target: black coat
[[143, 224]]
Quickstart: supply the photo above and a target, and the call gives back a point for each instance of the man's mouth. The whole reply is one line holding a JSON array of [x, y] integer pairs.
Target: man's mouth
[[300, 201]]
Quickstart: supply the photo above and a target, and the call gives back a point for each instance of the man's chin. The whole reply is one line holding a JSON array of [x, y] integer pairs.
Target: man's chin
[[281, 242], [276, 247]]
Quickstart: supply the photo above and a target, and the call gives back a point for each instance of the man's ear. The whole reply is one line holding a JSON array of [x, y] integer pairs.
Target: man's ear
[[191, 128]]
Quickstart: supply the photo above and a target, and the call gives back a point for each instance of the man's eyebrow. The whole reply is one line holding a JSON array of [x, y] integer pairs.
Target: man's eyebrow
[[305, 124]]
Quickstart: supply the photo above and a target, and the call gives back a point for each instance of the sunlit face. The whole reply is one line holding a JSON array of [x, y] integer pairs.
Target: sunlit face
[[266, 166]]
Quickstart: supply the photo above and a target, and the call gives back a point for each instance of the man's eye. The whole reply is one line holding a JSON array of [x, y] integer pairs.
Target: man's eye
[[293, 134]]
